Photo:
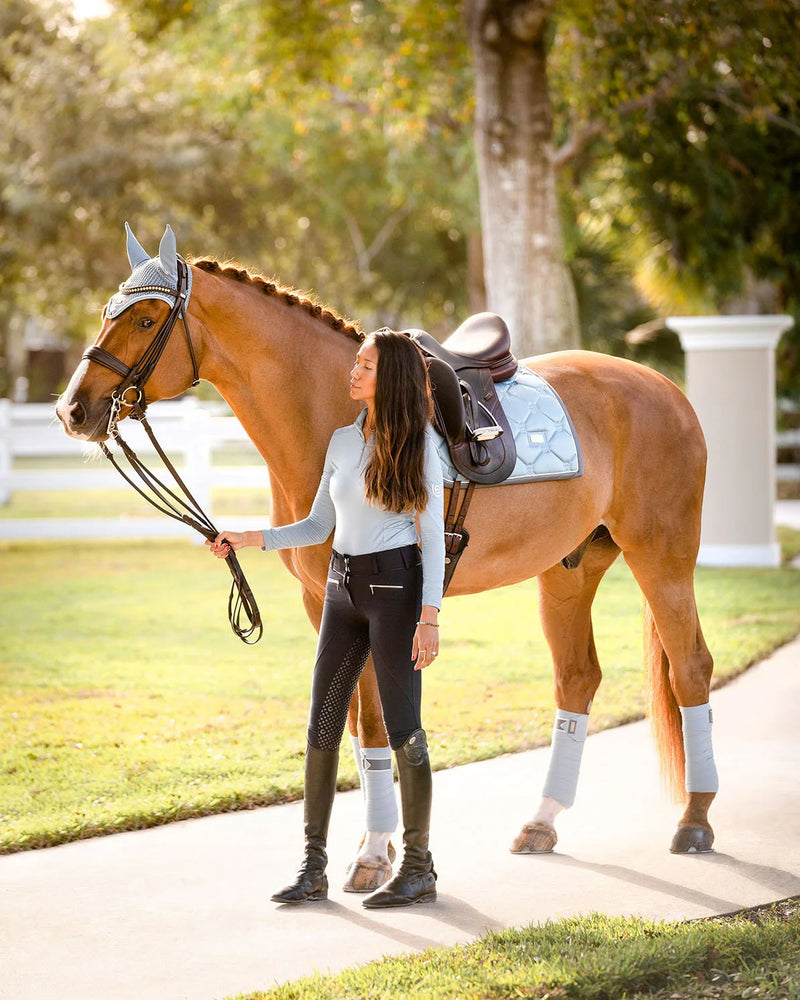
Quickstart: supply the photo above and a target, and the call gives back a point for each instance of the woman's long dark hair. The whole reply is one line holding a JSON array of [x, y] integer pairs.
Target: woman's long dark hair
[[395, 473]]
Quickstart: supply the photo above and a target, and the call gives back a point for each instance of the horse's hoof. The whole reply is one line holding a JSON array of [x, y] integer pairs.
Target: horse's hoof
[[692, 840], [534, 838], [390, 852], [367, 876]]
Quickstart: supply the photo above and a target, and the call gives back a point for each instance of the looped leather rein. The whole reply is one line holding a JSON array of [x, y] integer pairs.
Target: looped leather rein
[[243, 612]]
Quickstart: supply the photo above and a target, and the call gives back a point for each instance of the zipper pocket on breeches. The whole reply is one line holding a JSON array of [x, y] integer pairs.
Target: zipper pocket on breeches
[[384, 586]]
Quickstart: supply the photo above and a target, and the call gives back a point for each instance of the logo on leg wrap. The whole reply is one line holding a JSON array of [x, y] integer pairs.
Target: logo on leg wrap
[[569, 726], [373, 764]]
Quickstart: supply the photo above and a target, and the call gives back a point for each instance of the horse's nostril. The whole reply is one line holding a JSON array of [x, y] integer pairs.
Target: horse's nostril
[[76, 415]]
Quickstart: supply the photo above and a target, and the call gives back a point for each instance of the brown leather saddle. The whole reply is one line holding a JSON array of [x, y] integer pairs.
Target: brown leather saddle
[[467, 413]]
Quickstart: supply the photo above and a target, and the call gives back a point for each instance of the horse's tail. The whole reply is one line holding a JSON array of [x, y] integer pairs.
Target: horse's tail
[[663, 710]]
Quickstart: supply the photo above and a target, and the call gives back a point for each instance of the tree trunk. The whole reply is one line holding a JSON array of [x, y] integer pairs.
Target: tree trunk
[[527, 278], [476, 275]]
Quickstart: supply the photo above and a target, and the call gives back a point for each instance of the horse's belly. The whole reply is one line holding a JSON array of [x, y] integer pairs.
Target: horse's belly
[[519, 531]]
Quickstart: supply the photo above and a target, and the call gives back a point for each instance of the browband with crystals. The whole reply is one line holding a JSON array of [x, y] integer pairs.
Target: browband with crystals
[[146, 288]]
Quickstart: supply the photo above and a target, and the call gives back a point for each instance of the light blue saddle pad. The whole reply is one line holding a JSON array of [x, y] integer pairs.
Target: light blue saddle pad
[[547, 447]]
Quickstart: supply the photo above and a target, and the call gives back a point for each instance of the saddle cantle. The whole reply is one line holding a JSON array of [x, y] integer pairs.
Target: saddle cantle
[[482, 341], [467, 412]]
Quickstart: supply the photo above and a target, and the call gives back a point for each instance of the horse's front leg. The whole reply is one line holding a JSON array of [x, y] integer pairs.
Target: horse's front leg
[[372, 866]]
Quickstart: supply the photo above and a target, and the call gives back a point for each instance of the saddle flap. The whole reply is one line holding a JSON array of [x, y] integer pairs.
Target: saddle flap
[[450, 418], [470, 418], [482, 458]]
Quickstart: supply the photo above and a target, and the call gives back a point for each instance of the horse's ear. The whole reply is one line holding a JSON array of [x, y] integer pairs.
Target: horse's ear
[[136, 253], [168, 253]]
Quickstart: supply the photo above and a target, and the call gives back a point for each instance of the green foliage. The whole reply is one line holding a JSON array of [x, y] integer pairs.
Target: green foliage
[[97, 129], [358, 163], [127, 702], [681, 136], [330, 143], [713, 158]]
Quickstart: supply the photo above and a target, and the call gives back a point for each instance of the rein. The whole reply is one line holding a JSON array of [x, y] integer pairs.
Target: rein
[[243, 612]]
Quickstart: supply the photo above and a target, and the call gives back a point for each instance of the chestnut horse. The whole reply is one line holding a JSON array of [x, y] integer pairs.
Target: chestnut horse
[[281, 362]]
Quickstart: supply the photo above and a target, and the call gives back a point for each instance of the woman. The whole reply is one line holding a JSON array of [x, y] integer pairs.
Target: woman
[[381, 474]]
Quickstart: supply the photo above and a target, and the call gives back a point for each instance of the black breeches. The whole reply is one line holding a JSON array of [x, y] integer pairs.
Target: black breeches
[[372, 604]]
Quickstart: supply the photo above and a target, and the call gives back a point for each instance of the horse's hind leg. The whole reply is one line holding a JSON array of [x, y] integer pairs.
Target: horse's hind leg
[[565, 605], [680, 667]]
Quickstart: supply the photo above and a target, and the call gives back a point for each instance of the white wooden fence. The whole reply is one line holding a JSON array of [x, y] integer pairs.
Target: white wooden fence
[[788, 472], [188, 430]]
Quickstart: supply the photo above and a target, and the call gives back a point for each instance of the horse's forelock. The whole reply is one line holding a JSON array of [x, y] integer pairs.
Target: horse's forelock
[[291, 296]]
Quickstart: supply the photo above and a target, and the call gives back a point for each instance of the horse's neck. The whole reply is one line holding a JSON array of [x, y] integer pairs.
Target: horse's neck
[[284, 375]]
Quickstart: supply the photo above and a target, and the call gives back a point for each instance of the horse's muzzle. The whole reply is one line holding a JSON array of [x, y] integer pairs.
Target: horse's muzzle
[[79, 421]]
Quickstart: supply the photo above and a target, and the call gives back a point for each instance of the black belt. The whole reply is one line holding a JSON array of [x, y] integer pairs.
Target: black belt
[[376, 562]]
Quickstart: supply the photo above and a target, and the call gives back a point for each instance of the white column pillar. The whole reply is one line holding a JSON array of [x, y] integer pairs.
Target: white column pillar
[[730, 382]]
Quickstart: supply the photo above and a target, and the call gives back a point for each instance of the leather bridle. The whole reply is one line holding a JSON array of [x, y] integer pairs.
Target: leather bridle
[[130, 393], [135, 377]]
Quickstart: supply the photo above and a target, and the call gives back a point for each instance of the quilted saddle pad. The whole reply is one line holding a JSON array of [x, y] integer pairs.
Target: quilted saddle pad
[[547, 447]]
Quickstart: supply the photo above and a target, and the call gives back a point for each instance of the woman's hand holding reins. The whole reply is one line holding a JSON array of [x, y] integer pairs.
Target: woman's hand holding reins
[[227, 540], [425, 647]]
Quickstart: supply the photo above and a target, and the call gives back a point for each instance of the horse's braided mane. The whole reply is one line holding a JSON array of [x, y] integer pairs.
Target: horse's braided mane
[[289, 295]]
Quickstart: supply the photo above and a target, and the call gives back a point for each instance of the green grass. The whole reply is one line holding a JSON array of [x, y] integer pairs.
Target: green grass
[[744, 957], [789, 540], [126, 701]]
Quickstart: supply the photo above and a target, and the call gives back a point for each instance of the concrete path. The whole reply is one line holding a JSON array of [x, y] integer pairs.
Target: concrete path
[[183, 912]]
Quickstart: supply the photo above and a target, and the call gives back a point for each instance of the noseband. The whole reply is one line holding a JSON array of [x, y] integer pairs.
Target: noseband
[[134, 378], [130, 393]]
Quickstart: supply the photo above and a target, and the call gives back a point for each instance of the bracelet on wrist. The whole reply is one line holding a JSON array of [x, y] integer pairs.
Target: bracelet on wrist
[[432, 624]]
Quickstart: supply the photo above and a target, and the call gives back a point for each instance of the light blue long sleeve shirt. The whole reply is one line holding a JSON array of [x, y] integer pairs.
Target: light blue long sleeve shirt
[[358, 526]]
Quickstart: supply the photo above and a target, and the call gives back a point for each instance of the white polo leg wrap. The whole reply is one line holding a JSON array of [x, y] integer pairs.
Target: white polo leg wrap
[[566, 750], [701, 771], [379, 793], [357, 758]]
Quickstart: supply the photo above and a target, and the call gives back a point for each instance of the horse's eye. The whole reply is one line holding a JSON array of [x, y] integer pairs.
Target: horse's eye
[[145, 323]]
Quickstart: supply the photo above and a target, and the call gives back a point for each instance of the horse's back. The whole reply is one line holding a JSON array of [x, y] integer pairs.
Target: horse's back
[[639, 403]]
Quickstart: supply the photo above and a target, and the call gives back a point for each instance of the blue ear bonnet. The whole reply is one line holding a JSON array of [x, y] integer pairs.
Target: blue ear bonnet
[[151, 277]]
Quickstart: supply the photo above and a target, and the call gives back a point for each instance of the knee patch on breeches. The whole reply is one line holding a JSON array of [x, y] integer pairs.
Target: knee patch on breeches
[[328, 713]]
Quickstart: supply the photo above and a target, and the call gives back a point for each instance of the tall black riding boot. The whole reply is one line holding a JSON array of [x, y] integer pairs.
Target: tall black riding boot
[[320, 788], [415, 881]]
